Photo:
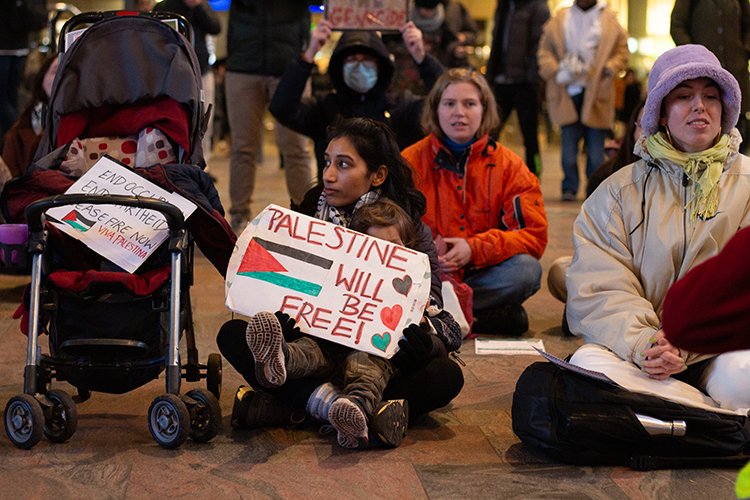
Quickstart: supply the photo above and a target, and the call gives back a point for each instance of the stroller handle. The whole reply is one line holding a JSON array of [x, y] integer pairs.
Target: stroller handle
[[34, 211], [89, 18]]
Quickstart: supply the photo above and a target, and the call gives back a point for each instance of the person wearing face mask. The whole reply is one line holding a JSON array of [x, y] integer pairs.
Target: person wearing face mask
[[360, 70], [360, 73]]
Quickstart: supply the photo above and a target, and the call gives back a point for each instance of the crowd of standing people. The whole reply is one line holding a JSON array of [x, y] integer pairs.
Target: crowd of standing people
[[406, 145]]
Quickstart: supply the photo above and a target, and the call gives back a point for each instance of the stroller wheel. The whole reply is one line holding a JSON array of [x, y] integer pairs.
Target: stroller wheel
[[61, 421], [24, 421], [168, 421], [213, 374], [205, 415]]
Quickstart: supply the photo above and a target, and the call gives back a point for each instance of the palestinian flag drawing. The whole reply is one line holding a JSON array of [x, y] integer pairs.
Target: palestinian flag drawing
[[281, 264], [77, 221]]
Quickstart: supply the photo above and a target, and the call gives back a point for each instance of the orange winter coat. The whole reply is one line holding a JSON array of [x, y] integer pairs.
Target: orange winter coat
[[495, 204]]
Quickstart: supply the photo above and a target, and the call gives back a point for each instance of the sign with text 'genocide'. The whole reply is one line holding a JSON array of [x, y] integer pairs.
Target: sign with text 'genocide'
[[337, 284], [127, 236], [384, 15]]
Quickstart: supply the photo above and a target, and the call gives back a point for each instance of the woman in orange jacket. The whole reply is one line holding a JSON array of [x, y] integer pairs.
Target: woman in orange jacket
[[482, 201]]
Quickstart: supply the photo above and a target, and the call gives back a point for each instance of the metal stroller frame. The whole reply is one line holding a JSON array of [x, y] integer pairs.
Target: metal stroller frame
[[52, 412], [171, 418]]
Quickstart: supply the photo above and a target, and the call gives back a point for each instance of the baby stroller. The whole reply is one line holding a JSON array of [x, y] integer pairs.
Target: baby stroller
[[109, 330]]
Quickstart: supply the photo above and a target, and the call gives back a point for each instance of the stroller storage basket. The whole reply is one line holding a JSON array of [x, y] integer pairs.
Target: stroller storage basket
[[110, 342]]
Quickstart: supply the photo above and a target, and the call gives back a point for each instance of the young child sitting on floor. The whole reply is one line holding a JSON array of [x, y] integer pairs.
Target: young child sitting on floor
[[362, 376]]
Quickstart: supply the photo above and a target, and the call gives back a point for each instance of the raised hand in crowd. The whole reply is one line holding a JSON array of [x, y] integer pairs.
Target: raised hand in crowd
[[318, 38], [413, 41]]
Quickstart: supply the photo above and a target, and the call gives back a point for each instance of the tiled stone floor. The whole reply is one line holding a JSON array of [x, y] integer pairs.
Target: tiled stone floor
[[466, 450]]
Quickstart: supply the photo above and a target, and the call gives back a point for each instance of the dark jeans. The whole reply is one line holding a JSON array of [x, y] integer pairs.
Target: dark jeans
[[11, 74], [570, 145], [524, 99], [510, 282], [429, 388]]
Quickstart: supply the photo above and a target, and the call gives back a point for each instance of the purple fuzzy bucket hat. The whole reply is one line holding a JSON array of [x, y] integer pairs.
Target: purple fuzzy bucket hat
[[688, 62]]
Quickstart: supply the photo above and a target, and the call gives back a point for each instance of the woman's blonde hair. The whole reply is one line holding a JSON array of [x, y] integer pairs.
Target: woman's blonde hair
[[490, 120]]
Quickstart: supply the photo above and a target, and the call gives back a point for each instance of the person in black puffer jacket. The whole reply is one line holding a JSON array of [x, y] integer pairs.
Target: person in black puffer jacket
[[359, 92]]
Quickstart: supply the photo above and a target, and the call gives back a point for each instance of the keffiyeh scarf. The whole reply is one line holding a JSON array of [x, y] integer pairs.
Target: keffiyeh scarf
[[342, 217]]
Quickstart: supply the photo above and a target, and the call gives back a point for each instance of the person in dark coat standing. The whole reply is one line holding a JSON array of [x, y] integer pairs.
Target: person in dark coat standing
[[512, 70], [204, 21], [723, 27], [19, 19], [262, 38], [360, 70]]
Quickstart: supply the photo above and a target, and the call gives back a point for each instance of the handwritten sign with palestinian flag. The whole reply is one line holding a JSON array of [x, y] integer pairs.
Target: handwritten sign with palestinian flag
[[126, 236], [337, 284]]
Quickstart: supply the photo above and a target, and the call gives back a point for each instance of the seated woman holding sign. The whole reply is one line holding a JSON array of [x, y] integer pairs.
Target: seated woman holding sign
[[363, 165]]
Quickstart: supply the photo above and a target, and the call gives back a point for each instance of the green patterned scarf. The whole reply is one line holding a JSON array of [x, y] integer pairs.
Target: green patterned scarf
[[702, 168]]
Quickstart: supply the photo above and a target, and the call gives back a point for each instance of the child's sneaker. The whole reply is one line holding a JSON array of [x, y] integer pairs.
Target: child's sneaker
[[266, 343], [253, 409], [350, 422], [390, 421]]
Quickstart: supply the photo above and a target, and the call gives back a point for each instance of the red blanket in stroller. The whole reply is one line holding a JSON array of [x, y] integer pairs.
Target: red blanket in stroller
[[81, 271], [155, 82], [212, 233]]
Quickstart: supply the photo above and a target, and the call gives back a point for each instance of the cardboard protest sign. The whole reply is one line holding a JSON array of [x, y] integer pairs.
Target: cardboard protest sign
[[337, 284], [383, 15], [127, 236]]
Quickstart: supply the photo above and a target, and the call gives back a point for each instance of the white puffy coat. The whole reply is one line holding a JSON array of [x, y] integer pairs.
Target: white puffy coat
[[634, 238]]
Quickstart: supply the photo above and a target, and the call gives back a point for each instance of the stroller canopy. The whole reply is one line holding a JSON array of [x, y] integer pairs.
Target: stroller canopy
[[134, 64]]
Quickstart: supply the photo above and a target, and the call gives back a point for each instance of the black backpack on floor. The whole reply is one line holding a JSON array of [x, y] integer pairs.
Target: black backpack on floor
[[580, 420]]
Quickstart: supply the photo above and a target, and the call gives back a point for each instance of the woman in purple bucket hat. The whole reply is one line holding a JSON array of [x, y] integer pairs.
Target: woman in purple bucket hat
[[649, 223]]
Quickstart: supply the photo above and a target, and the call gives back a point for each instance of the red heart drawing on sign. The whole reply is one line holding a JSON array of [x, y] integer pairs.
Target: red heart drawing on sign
[[390, 316]]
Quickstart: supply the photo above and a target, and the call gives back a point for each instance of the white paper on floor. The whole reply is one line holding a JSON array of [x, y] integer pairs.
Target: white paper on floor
[[508, 346]]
